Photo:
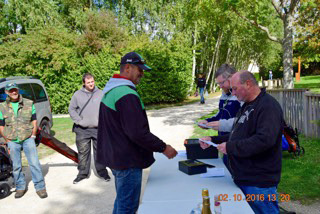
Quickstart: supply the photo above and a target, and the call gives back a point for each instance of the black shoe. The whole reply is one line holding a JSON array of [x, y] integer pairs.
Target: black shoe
[[78, 179], [103, 174], [106, 177]]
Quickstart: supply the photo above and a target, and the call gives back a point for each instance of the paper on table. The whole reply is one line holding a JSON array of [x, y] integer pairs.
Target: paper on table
[[209, 142], [182, 153], [213, 172]]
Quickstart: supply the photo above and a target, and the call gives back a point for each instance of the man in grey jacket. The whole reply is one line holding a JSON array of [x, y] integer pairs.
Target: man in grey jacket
[[84, 111]]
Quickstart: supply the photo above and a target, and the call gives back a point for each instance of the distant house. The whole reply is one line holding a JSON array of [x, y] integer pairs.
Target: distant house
[[253, 67]]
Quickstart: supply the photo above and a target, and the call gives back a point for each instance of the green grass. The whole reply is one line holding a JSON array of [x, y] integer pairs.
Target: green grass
[[300, 176], [310, 82], [199, 132]]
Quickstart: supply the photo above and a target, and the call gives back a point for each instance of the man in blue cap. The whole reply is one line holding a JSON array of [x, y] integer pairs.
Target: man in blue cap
[[18, 127], [125, 143]]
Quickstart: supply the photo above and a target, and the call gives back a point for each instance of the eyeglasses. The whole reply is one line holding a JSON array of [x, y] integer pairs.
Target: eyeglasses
[[221, 83]]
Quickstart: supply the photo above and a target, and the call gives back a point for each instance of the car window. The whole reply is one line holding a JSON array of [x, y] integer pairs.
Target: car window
[[39, 92], [3, 95], [26, 91]]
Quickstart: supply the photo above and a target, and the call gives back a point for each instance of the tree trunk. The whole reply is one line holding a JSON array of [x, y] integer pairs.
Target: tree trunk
[[194, 57], [212, 61], [228, 55], [287, 52], [212, 85]]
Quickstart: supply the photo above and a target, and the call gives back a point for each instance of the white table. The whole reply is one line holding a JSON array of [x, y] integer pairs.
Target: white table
[[170, 191]]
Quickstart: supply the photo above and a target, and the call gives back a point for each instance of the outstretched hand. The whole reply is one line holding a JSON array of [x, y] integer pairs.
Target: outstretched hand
[[170, 152]]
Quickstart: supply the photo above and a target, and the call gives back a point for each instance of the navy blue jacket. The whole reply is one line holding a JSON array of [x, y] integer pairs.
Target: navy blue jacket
[[228, 108]]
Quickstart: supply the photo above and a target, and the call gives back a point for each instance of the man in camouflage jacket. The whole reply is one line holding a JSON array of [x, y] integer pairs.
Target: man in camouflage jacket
[[18, 127]]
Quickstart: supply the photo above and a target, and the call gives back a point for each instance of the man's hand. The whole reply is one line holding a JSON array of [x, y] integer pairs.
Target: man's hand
[[214, 125], [222, 147], [203, 122], [204, 145], [170, 152]]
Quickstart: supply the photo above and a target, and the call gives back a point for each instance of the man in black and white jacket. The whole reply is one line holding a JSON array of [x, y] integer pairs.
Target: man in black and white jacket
[[254, 144]]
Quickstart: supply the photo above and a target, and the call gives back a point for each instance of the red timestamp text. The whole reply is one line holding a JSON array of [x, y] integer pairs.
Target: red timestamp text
[[254, 197]]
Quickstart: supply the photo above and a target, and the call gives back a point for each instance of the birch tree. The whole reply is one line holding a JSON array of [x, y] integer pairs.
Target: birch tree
[[255, 13]]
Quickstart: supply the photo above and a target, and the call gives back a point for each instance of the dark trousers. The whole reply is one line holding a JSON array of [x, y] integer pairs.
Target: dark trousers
[[84, 137]]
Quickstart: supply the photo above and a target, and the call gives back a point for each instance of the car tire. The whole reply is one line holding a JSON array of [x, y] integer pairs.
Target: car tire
[[45, 126], [4, 190]]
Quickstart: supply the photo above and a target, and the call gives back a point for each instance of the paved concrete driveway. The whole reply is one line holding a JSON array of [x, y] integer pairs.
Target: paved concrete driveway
[[93, 195]]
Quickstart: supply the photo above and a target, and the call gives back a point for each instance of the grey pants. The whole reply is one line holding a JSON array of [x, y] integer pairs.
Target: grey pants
[[84, 137]]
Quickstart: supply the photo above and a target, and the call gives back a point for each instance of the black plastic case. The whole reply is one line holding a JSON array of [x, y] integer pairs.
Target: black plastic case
[[194, 151], [192, 167]]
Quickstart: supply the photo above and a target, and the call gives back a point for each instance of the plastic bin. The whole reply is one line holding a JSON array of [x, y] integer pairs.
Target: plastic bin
[[194, 151]]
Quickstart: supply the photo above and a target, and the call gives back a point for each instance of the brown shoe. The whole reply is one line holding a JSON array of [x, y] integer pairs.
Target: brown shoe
[[20, 193], [42, 193]]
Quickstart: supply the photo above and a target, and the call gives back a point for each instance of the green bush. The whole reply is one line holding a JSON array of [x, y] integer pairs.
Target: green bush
[[53, 56], [47, 54], [170, 78]]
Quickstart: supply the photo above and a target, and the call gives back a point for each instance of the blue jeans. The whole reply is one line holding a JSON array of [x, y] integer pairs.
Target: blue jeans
[[267, 204], [201, 90], [30, 150], [128, 188]]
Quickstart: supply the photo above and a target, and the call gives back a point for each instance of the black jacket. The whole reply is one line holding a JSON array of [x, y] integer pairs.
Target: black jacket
[[201, 83], [254, 144], [124, 137]]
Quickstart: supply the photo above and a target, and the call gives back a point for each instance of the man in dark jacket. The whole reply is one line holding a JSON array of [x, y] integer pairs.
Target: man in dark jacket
[[201, 84], [254, 144], [125, 143]]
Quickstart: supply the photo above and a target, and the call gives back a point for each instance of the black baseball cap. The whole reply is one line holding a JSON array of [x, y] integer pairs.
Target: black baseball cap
[[136, 59]]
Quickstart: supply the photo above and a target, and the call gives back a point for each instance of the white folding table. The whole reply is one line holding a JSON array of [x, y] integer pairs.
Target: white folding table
[[170, 191]]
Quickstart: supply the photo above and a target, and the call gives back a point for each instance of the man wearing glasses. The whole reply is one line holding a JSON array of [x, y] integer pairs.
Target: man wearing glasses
[[18, 127], [228, 104], [125, 143]]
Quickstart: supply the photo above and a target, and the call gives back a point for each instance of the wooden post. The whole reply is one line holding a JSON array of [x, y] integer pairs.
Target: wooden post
[[299, 70], [305, 111]]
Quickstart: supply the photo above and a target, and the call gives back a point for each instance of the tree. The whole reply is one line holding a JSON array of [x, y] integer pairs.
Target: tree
[[256, 13], [21, 16], [307, 43]]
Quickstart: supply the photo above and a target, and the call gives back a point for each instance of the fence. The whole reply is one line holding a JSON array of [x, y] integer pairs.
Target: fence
[[270, 84], [301, 109]]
